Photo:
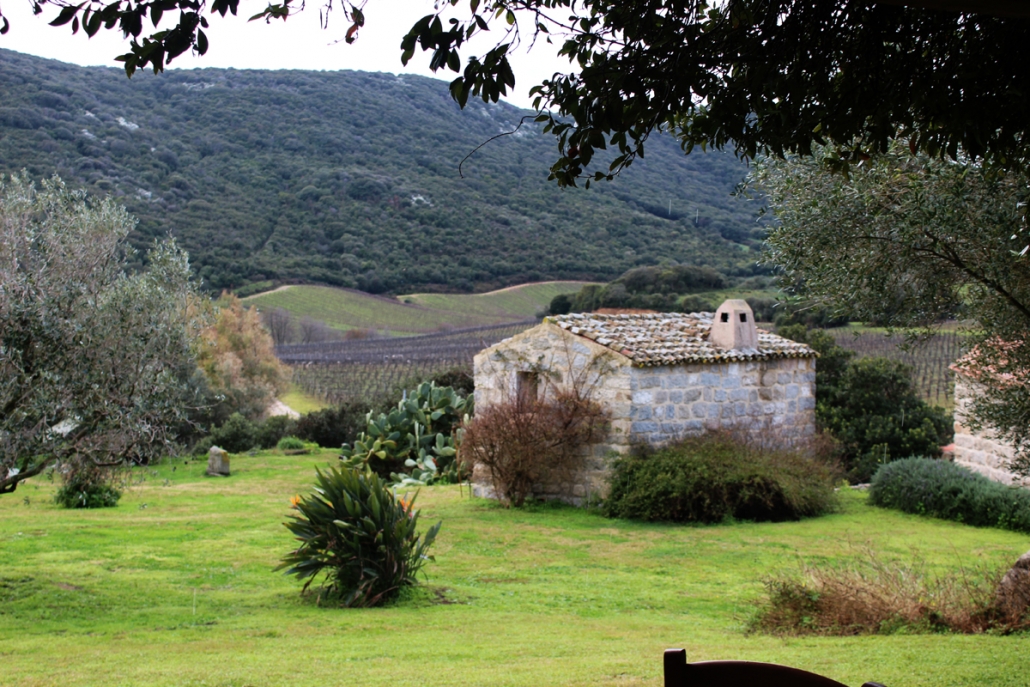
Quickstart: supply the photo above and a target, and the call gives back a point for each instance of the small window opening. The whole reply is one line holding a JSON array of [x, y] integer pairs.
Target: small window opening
[[743, 317], [527, 386], [725, 317]]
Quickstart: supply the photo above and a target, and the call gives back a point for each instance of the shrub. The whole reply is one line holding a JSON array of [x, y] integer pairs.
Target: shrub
[[333, 427], [873, 596], [525, 442], [871, 407], [237, 435], [290, 444], [87, 486], [272, 430], [359, 535], [713, 477], [944, 490]]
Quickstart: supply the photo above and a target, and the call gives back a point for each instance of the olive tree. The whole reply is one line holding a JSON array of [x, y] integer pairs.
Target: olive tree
[[95, 361], [906, 241]]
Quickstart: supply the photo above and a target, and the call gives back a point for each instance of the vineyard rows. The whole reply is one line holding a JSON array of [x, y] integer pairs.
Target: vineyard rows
[[364, 369], [929, 360]]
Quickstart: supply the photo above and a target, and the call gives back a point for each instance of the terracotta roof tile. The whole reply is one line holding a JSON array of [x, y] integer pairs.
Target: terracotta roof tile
[[672, 338]]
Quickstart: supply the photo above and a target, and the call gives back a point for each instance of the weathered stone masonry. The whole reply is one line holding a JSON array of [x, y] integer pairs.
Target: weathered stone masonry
[[661, 379]]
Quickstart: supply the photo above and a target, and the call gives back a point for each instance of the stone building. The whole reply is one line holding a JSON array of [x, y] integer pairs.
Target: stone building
[[661, 376], [980, 450]]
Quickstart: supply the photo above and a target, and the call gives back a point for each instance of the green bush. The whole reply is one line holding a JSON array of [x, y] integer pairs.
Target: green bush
[[944, 490], [290, 444], [714, 477], [237, 435], [80, 493], [876, 415], [272, 430], [353, 530], [871, 407], [333, 427]]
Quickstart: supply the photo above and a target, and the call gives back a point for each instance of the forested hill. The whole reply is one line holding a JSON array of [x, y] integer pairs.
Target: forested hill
[[351, 178]]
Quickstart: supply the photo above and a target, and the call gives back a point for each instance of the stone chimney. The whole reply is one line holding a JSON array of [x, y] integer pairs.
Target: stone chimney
[[733, 326]]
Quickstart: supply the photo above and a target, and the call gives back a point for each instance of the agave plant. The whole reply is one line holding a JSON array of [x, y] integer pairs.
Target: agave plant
[[359, 535]]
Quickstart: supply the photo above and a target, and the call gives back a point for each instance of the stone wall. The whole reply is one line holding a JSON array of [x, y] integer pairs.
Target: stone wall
[[772, 402], [981, 451], [564, 359]]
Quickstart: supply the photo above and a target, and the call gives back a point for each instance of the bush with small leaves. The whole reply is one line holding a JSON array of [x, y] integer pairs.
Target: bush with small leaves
[[237, 435], [358, 536], [272, 430], [87, 488], [290, 444], [714, 477], [941, 489]]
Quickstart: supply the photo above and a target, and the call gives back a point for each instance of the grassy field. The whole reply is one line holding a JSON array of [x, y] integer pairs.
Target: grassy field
[[414, 314], [175, 587], [302, 401]]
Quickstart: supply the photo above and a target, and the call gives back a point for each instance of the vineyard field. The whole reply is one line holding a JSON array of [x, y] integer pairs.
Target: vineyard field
[[369, 368], [929, 360], [345, 309]]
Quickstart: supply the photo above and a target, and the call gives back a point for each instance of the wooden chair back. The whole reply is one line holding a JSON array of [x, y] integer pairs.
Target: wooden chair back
[[679, 673]]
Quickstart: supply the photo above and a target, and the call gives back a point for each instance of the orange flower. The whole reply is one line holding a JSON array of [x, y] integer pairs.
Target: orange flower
[[295, 501], [405, 503]]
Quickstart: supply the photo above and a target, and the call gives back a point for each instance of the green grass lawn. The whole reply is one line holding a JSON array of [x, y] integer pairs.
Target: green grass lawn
[[414, 314], [301, 401], [175, 587]]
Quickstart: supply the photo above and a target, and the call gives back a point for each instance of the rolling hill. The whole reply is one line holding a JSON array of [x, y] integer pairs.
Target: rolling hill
[[345, 309], [351, 179]]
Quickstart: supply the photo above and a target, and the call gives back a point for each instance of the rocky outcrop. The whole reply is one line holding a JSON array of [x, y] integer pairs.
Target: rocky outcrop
[[1012, 598]]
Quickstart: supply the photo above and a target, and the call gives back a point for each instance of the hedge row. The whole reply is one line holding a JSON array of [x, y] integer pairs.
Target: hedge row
[[941, 489]]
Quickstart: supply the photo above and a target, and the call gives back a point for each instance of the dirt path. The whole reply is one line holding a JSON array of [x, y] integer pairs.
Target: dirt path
[[277, 407], [265, 293]]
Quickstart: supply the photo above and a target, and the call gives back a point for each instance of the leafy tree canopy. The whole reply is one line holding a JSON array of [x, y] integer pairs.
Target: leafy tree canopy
[[757, 75], [95, 363], [909, 241]]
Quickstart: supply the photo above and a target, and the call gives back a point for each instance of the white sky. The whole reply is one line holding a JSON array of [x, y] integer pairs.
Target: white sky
[[299, 43]]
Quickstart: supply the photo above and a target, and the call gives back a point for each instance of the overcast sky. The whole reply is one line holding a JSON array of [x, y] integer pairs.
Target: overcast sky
[[299, 43]]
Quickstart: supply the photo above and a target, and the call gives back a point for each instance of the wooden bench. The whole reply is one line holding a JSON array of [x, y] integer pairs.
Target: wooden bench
[[679, 673]]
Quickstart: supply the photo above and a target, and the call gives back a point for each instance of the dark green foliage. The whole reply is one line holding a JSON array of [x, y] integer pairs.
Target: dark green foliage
[[696, 304], [290, 444], [871, 407], [333, 427], [275, 428], [237, 435], [561, 304], [353, 530], [341, 177], [663, 288], [458, 379], [711, 478], [820, 317], [877, 416], [942, 489], [87, 490]]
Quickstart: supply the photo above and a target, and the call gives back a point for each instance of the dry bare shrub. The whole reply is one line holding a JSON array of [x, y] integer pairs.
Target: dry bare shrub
[[876, 596], [525, 442]]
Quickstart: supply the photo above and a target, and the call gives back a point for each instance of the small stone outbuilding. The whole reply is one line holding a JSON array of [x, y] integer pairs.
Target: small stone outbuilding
[[981, 450], [662, 376]]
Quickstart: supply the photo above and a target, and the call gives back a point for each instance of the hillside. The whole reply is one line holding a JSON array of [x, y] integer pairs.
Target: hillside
[[415, 314], [351, 179]]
